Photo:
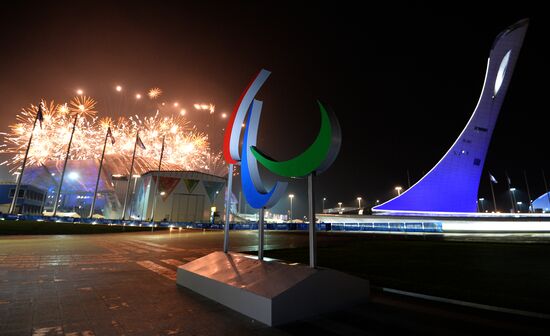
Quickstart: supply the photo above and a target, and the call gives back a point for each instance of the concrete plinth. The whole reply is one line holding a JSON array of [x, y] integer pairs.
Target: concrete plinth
[[271, 292]]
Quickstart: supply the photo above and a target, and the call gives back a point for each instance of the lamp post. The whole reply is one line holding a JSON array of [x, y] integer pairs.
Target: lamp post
[[359, 202], [512, 193], [324, 199], [398, 188], [291, 196], [481, 204], [519, 206], [340, 206]]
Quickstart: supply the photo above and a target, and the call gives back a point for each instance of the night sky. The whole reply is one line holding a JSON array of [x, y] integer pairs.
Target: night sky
[[402, 79]]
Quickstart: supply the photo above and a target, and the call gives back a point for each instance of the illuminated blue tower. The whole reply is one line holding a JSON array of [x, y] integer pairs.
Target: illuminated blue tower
[[452, 184]]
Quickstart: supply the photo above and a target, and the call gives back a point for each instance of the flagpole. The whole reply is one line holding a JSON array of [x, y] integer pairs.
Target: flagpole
[[130, 177], [157, 185], [228, 208], [20, 177], [493, 193], [43, 203], [64, 168], [510, 192], [545, 186], [528, 192], [99, 173]]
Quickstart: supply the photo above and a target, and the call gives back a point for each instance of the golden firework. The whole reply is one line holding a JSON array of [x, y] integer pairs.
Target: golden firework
[[63, 109], [154, 93], [205, 107], [83, 105], [105, 122], [185, 148]]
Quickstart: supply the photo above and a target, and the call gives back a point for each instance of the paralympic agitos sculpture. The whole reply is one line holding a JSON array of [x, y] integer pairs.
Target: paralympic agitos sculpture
[[281, 292], [314, 160]]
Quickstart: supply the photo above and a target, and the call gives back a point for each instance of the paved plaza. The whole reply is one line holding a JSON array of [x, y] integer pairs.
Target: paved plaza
[[124, 284]]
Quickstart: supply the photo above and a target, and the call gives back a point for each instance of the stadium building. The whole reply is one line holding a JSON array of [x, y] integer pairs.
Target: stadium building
[[182, 195]]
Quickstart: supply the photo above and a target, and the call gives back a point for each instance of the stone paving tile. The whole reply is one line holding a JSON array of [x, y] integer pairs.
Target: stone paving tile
[[14, 325], [19, 332], [48, 329], [74, 328]]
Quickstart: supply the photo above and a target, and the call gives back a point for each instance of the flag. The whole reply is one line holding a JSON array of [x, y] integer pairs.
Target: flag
[[110, 135], [140, 143], [493, 179], [39, 115]]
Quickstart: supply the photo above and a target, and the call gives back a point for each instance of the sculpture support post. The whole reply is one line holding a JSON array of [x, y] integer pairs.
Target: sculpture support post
[[261, 234], [312, 223], [227, 208]]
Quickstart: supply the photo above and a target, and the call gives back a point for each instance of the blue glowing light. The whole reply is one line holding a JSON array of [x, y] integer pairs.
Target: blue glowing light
[[452, 184], [252, 186]]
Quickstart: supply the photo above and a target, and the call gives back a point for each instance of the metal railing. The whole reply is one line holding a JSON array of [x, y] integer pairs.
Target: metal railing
[[405, 227]]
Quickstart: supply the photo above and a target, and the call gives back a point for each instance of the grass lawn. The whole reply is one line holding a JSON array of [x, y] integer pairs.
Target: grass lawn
[[8, 227], [513, 275]]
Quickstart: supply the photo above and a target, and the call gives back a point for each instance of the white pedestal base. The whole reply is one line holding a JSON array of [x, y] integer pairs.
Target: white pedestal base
[[270, 291]]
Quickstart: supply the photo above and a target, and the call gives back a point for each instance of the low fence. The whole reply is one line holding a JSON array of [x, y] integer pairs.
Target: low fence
[[429, 227]]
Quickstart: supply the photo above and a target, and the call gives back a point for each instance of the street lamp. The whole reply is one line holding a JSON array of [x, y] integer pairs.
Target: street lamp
[[324, 199], [481, 204], [291, 196], [519, 206], [359, 202], [340, 206], [398, 188], [512, 192]]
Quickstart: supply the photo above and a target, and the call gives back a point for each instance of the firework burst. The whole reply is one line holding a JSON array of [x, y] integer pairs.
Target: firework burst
[[83, 105], [52, 137], [154, 93], [185, 148], [205, 107]]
